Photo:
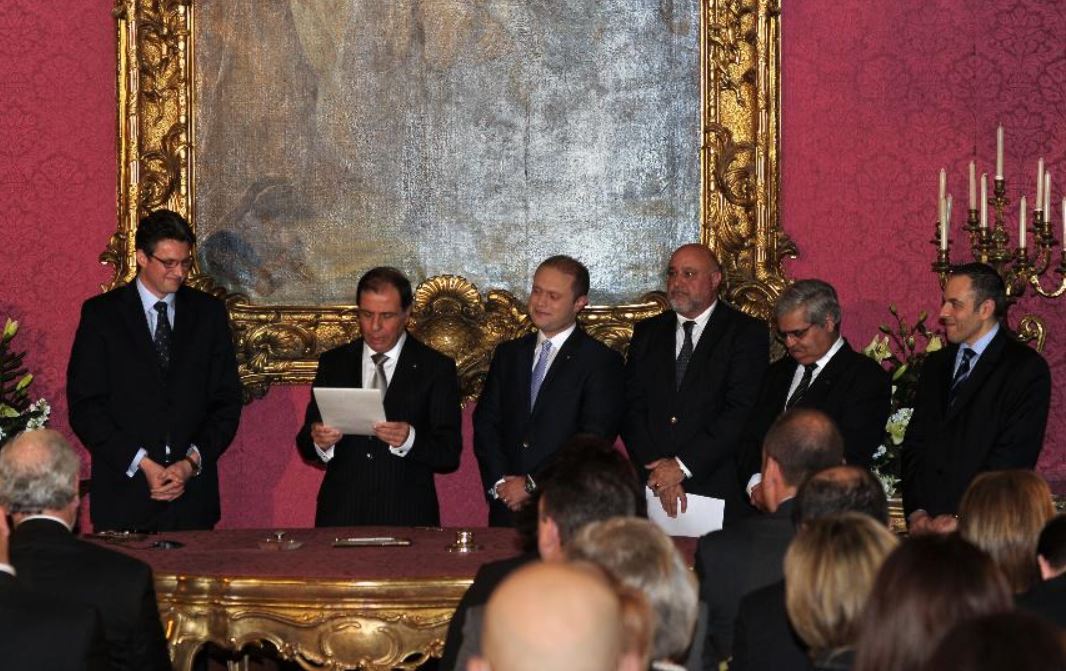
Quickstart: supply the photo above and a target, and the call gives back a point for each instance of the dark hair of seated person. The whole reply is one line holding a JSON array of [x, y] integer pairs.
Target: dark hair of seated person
[[1052, 543], [1018, 641], [926, 586]]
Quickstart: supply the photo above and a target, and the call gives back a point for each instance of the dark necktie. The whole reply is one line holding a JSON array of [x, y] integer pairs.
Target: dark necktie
[[961, 374], [803, 386], [539, 371], [162, 336], [380, 381], [685, 355]]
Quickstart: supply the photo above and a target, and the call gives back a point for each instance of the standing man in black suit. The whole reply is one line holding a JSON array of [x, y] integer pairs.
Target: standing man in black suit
[[39, 487], [153, 389], [544, 388], [821, 371], [982, 402], [386, 478], [691, 380], [747, 555]]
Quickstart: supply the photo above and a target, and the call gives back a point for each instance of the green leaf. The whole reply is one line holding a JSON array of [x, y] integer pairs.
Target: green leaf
[[24, 382]]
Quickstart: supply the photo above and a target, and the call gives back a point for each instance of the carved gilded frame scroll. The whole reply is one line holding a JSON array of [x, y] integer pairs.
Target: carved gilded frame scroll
[[740, 117]]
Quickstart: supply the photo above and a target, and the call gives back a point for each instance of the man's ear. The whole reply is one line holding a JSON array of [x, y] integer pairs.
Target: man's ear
[[1046, 571], [549, 542], [986, 309], [476, 663]]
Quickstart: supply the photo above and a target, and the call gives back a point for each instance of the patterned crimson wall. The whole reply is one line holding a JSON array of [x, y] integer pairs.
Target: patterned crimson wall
[[877, 97]]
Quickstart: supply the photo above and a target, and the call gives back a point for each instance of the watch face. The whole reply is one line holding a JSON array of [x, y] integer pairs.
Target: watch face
[[530, 487]]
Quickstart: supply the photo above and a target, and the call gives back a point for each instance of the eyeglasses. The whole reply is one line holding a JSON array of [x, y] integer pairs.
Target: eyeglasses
[[797, 334], [171, 264]]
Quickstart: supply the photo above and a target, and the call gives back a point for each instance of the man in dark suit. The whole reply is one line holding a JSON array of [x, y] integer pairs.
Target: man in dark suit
[[1048, 597], [691, 379], [982, 402], [542, 389], [763, 639], [39, 486], [385, 478], [822, 372], [747, 555], [153, 389]]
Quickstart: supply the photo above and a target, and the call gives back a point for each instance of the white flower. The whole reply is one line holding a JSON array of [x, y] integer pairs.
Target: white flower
[[880, 452], [896, 426], [39, 420]]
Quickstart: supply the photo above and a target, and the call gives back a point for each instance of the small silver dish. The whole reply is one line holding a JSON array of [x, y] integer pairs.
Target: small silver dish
[[464, 542], [279, 542]]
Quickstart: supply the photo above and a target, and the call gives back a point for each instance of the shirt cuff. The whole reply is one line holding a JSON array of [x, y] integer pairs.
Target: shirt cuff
[[753, 482], [325, 454], [492, 492], [684, 468], [136, 463], [402, 449]]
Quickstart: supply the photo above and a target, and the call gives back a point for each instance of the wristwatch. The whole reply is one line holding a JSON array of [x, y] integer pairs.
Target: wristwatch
[[530, 485], [196, 466]]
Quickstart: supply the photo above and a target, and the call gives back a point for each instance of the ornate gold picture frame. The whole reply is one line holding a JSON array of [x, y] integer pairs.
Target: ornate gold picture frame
[[739, 105]]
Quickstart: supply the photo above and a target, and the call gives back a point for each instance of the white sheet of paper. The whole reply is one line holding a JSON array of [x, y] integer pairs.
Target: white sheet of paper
[[350, 411], [704, 515]]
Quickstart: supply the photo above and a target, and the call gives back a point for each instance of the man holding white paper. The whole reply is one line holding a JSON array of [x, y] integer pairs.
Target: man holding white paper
[[385, 478]]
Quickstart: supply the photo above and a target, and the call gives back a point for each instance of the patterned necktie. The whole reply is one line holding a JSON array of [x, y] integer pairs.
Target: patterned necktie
[[961, 374], [162, 336], [538, 372], [380, 381], [803, 386], [685, 355]]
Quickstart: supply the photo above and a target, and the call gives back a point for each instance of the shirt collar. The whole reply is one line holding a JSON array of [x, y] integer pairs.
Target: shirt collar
[[558, 339], [7, 568], [829, 354], [982, 342], [701, 319], [42, 516], [148, 299], [393, 353]]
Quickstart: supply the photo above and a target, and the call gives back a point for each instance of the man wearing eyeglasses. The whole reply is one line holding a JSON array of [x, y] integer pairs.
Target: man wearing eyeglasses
[[692, 375], [386, 478], [153, 390], [821, 372]]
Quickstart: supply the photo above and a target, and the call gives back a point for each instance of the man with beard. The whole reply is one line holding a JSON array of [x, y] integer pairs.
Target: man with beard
[[692, 377]]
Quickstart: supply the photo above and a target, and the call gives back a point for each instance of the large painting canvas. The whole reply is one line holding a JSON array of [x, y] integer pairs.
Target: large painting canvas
[[472, 137]]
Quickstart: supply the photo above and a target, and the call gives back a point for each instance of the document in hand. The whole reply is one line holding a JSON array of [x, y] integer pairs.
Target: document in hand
[[350, 411], [704, 515]]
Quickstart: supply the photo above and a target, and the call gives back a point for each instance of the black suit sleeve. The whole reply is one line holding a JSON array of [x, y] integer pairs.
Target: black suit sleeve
[[88, 391], [224, 396], [439, 442], [304, 444], [603, 399], [635, 430], [862, 419], [912, 452], [1026, 400], [488, 417]]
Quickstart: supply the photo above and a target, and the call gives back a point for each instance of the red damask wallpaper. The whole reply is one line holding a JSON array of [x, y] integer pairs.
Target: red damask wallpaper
[[877, 97]]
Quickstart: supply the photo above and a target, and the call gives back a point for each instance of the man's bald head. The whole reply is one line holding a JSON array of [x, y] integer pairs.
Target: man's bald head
[[692, 280], [38, 473], [841, 489], [554, 616]]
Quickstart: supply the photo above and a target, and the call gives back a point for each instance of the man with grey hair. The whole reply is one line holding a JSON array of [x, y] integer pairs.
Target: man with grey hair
[[822, 372], [39, 488]]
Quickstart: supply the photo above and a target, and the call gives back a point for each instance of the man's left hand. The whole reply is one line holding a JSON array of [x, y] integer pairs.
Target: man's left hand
[[392, 434], [512, 491], [664, 473], [669, 497], [174, 478]]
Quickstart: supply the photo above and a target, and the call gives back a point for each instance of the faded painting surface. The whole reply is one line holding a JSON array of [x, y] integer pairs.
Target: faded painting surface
[[472, 137]]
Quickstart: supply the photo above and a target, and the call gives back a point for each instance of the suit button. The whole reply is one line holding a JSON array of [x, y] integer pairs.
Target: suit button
[[673, 420], [525, 443], [370, 456]]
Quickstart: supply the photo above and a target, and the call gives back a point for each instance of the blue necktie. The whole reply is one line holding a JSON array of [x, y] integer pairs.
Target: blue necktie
[[538, 372], [961, 374]]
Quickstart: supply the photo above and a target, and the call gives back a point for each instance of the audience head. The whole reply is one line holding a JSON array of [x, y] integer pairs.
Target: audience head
[[164, 251], [1003, 513], [1017, 641], [801, 442], [807, 319], [926, 586], [639, 555], [384, 296], [830, 568], [39, 474], [587, 481], [974, 301], [841, 489], [553, 615], [1051, 548], [560, 291], [692, 280]]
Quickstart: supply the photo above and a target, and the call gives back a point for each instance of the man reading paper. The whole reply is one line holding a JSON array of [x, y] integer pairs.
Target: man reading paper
[[385, 478]]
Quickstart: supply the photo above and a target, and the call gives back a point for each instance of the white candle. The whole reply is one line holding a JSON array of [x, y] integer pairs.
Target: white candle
[[1064, 221], [1039, 204], [1021, 224], [943, 185], [984, 200], [973, 186], [1047, 196], [945, 214], [999, 153]]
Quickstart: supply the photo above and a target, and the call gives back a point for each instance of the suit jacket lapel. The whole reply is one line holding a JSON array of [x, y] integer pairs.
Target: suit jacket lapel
[[985, 365], [565, 354], [402, 376], [822, 384], [136, 322], [185, 325], [712, 333]]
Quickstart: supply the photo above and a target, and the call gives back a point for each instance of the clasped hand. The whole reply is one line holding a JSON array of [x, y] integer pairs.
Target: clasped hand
[[166, 483], [664, 479]]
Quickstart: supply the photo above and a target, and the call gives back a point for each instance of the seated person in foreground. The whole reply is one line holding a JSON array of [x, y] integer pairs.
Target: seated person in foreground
[[1048, 597]]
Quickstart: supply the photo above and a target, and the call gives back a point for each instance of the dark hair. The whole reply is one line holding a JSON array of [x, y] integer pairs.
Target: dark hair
[[817, 298], [841, 489], [588, 481], [927, 585], [803, 441], [377, 279], [162, 225], [1052, 543], [986, 284], [568, 265], [1018, 641]]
